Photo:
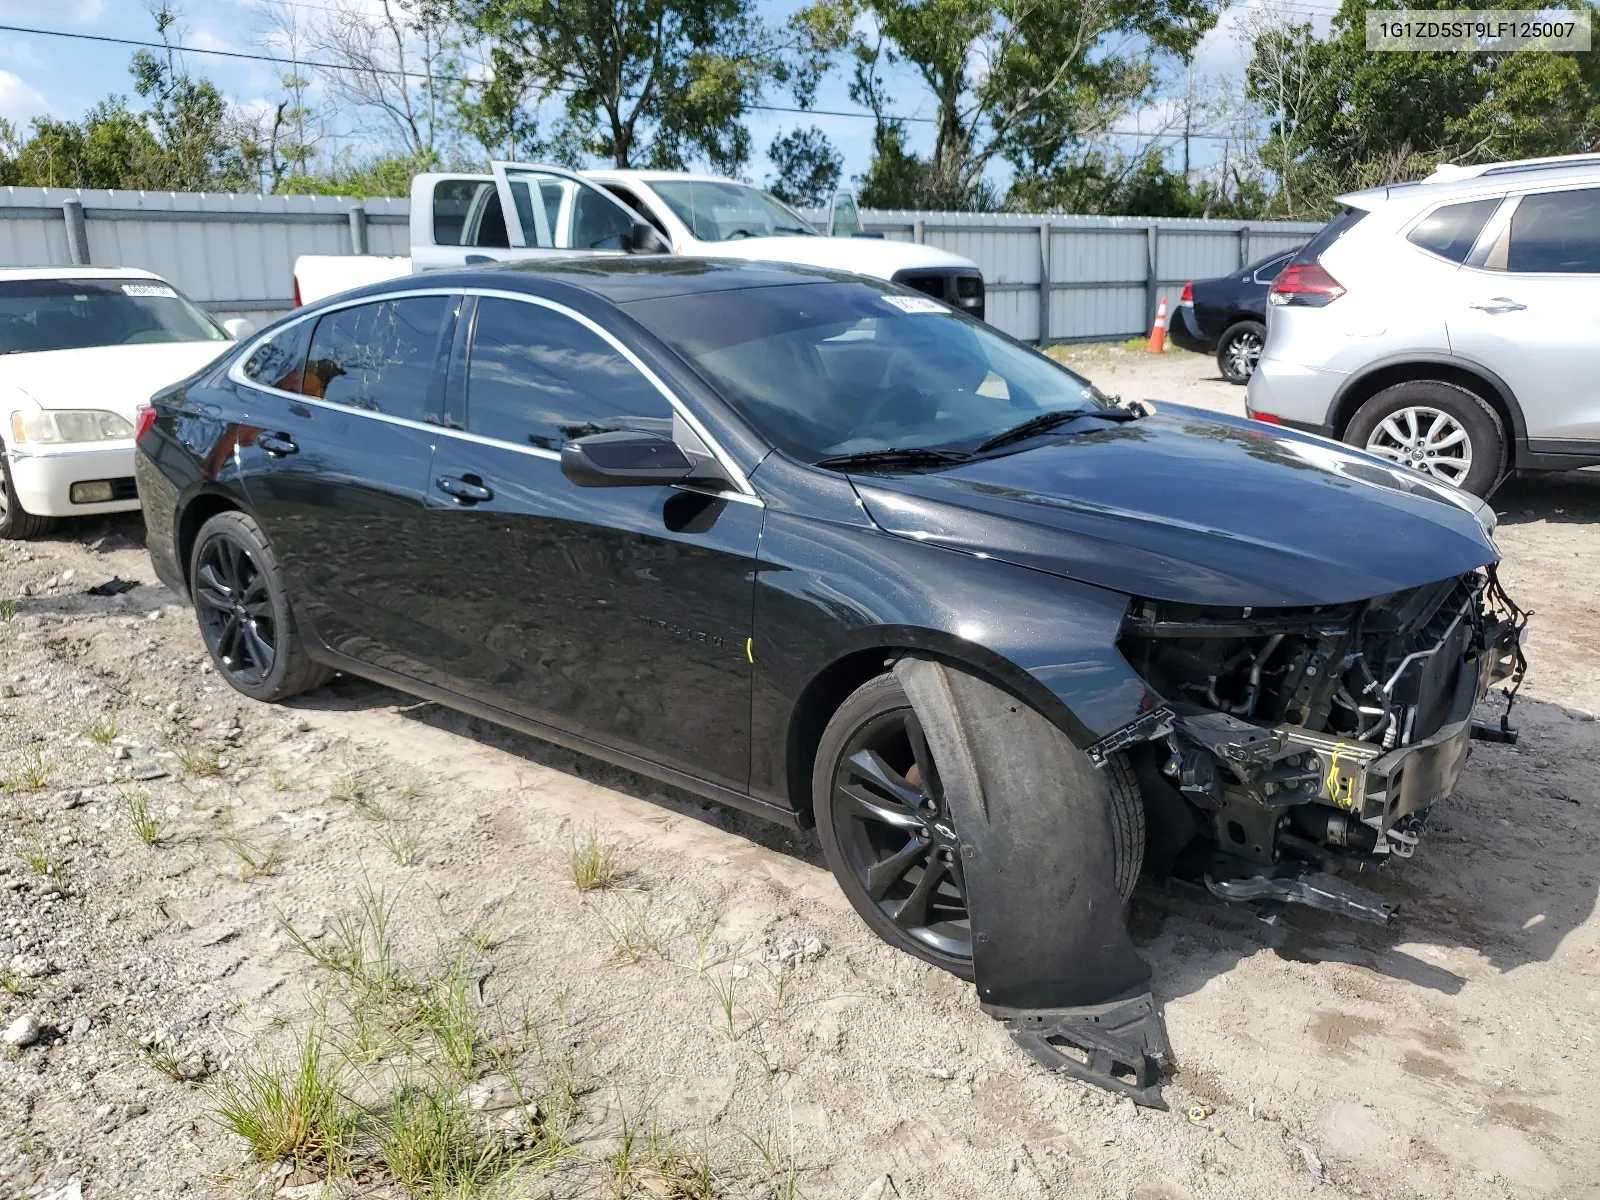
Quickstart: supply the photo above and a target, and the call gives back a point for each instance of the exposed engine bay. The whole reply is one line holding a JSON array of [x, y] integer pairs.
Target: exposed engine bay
[[1298, 747]]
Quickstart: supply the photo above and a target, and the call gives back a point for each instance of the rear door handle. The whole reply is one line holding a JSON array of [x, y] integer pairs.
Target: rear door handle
[[466, 490], [276, 444], [1499, 304]]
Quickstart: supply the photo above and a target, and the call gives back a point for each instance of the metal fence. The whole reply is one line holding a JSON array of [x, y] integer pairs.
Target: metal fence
[[232, 253], [1071, 278], [1087, 279]]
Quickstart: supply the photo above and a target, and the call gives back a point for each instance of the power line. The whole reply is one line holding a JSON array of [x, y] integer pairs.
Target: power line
[[326, 66]]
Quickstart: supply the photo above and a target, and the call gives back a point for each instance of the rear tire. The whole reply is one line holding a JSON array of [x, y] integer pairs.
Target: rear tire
[[243, 608], [1239, 349], [871, 824], [16, 522], [1438, 428]]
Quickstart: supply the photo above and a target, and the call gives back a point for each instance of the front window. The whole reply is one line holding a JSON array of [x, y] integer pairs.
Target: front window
[[726, 212], [831, 369], [77, 314]]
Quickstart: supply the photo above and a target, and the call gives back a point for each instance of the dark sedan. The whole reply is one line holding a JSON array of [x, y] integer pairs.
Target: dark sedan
[[824, 549], [1227, 316]]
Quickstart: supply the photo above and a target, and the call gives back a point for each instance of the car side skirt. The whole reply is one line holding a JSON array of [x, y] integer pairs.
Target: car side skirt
[[499, 716]]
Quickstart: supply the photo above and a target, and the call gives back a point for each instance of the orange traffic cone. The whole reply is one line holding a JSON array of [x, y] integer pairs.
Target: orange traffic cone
[[1158, 332]]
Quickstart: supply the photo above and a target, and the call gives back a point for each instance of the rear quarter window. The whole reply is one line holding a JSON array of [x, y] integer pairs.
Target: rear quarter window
[[1450, 231], [279, 362]]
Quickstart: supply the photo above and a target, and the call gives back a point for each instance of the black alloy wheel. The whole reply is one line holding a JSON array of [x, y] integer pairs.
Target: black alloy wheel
[[888, 835], [235, 611], [243, 610]]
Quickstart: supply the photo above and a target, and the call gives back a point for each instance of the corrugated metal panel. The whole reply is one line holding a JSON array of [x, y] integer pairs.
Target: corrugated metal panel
[[235, 253]]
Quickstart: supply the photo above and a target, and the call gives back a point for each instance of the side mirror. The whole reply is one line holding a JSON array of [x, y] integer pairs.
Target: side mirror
[[624, 458], [646, 240], [238, 328]]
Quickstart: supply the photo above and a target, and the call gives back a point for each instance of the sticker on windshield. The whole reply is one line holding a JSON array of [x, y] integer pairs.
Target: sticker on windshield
[[149, 289], [915, 304]]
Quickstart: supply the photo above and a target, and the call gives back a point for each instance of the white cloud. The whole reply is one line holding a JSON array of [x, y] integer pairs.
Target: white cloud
[[19, 102]]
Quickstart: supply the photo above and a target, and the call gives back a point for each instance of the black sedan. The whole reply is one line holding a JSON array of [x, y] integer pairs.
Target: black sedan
[[826, 550], [1228, 316]]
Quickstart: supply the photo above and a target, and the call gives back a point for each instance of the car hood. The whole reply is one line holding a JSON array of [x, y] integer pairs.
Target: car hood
[[877, 257], [1194, 508], [114, 378]]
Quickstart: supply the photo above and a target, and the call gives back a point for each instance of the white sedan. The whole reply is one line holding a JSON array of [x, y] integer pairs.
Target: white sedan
[[80, 349]]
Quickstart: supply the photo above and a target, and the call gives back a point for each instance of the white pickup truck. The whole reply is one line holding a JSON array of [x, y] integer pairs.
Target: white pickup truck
[[523, 212]]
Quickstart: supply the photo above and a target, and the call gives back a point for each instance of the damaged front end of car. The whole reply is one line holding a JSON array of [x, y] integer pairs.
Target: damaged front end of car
[[1296, 748]]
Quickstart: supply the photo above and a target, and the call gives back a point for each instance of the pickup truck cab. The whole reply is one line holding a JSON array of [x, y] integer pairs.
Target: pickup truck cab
[[520, 211]]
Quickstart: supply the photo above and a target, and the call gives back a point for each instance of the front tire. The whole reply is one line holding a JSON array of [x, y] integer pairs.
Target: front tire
[[1440, 429], [243, 609], [16, 522], [1239, 350], [890, 840]]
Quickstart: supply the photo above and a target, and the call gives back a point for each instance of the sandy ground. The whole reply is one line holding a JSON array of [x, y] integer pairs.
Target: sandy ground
[[722, 993]]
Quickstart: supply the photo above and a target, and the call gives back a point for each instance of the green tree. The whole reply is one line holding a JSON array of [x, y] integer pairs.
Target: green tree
[[1026, 81], [1342, 117], [111, 148], [652, 83], [808, 167]]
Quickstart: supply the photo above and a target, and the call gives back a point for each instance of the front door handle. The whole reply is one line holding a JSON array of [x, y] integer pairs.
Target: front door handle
[[1499, 304], [468, 489], [277, 444]]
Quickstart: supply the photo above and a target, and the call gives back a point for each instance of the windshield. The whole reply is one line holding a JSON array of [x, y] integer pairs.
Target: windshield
[[837, 368], [75, 314], [725, 212]]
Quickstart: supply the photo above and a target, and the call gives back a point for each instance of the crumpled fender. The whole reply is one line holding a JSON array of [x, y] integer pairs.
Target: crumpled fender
[[1051, 953]]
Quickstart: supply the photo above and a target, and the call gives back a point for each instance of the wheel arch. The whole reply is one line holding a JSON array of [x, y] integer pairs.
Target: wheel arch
[[196, 511], [1474, 377], [830, 686]]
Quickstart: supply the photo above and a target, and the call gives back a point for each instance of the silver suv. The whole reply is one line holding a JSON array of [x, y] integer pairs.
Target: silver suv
[[1451, 325]]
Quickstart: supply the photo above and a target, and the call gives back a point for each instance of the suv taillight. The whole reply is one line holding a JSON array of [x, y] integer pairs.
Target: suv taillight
[[297, 303], [1188, 295], [143, 418], [1305, 284]]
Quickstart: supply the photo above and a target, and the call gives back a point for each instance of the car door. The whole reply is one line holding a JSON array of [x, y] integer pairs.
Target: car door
[[555, 212], [1528, 308], [617, 614], [467, 224], [335, 466]]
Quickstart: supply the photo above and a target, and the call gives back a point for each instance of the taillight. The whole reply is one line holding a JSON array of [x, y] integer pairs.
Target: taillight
[[1267, 417], [143, 419], [297, 302], [1188, 295], [1306, 285]]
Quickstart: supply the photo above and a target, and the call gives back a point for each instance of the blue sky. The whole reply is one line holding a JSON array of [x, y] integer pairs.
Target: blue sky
[[64, 77]]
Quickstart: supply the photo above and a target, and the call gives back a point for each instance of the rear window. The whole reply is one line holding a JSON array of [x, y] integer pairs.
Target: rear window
[[76, 314], [1557, 233], [466, 212], [1451, 231], [1344, 221], [387, 357]]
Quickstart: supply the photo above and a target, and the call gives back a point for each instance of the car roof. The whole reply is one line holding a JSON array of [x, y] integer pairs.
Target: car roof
[[620, 280], [76, 273], [1450, 181]]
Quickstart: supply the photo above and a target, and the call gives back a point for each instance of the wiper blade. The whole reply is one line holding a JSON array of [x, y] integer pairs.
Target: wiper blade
[[895, 456], [1045, 422]]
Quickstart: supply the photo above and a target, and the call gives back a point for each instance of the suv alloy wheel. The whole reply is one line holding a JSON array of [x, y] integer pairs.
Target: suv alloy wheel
[[1438, 428]]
